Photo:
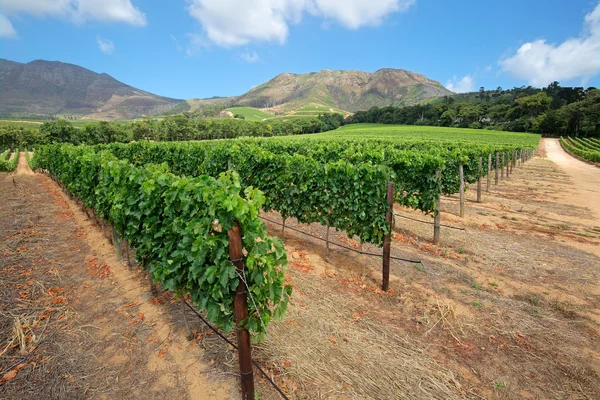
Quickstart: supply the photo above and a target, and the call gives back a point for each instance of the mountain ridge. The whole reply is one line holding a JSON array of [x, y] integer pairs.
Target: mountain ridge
[[350, 90], [58, 88], [55, 87]]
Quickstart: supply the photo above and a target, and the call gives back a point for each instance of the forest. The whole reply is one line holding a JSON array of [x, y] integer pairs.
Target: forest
[[551, 111]]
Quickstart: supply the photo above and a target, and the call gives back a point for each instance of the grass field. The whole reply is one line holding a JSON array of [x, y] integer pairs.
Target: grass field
[[35, 124], [21, 124], [251, 113], [315, 110]]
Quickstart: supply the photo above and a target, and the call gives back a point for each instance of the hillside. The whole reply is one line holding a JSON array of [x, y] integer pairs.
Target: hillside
[[337, 90], [52, 87]]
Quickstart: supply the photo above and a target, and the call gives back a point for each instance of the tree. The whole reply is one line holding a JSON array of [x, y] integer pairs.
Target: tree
[[534, 105], [60, 131], [551, 123], [144, 129]]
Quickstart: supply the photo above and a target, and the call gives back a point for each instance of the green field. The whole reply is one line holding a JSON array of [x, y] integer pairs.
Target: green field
[[316, 110], [251, 113], [35, 124], [20, 124], [430, 133]]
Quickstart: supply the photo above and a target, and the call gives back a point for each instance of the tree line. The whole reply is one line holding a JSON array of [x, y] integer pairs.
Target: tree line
[[171, 128], [552, 111]]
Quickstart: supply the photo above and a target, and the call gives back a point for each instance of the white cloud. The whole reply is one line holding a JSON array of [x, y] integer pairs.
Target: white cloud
[[231, 23], [250, 57], [77, 11], [356, 13], [463, 85], [541, 63], [6, 28], [106, 46], [488, 68]]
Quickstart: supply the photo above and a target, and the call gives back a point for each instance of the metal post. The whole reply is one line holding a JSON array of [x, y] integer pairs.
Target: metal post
[[462, 190], [240, 303], [479, 180], [387, 240], [438, 216], [116, 242], [327, 241], [497, 165], [489, 174]]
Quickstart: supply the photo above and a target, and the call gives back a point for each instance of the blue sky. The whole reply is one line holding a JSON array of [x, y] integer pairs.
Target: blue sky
[[203, 48]]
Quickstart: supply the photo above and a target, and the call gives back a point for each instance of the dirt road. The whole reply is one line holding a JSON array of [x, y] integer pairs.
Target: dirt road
[[586, 177], [23, 166]]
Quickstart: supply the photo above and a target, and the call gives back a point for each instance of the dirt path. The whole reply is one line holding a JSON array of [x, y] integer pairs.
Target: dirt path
[[23, 165], [586, 177]]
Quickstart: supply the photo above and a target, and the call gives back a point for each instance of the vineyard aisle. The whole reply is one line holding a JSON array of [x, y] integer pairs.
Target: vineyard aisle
[[74, 321], [586, 177]]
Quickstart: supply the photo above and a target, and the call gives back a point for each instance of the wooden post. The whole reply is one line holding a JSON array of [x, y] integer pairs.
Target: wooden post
[[507, 164], [240, 304], [462, 190], [489, 173], [115, 239], [497, 165], [479, 180], [387, 240], [502, 168], [438, 216], [283, 229]]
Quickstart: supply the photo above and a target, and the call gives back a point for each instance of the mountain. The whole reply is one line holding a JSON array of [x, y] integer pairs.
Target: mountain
[[52, 87], [345, 90]]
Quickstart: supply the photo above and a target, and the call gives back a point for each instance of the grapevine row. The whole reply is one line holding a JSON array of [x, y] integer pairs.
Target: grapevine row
[[581, 149], [7, 165], [178, 227], [336, 183]]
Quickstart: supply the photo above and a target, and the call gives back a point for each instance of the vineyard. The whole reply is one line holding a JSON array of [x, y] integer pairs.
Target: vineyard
[[7, 163], [585, 148], [181, 207]]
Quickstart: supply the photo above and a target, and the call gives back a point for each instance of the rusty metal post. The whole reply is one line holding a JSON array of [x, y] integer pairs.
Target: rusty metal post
[[240, 303], [387, 240], [438, 216]]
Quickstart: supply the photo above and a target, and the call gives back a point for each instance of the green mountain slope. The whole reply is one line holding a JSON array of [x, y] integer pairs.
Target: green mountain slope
[[336, 90]]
